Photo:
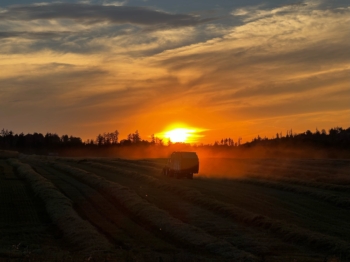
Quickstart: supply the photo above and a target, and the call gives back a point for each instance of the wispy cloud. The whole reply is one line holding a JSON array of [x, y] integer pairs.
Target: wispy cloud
[[89, 28], [142, 68], [90, 14], [34, 35], [251, 13]]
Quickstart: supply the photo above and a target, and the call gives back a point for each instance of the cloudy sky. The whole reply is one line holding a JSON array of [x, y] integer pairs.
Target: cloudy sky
[[229, 68]]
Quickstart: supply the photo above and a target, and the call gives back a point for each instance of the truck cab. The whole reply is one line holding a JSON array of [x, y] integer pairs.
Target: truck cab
[[181, 164]]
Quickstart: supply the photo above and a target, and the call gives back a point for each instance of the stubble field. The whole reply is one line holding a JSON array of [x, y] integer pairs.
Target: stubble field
[[109, 209]]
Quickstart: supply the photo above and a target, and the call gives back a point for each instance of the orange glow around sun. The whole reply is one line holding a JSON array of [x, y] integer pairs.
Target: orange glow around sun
[[180, 134]]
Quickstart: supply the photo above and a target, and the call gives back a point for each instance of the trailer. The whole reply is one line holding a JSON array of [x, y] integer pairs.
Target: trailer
[[182, 164]]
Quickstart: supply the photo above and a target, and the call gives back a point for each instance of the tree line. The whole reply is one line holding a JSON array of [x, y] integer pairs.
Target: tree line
[[10, 140], [335, 137]]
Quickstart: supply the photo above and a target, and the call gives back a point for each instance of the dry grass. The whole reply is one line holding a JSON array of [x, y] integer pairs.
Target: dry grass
[[285, 231], [4, 154], [336, 172], [325, 196], [132, 164], [156, 218], [307, 183], [79, 233]]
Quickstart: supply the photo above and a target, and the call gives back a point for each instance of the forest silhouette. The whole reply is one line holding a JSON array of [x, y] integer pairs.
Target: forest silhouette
[[332, 144]]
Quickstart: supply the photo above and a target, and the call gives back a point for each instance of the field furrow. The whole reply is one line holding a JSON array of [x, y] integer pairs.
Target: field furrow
[[108, 209], [102, 213], [339, 201], [243, 237], [276, 203], [25, 227], [335, 189], [286, 231], [335, 173], [157, 218], [78, 232]]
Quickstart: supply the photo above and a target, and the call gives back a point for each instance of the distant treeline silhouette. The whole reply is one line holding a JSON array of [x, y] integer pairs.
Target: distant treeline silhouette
[[51, 141], [336, 137]]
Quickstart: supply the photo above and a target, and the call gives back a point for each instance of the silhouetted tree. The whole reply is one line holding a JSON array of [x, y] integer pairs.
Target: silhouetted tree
[[135, 137], [65, 139], [99, 140]]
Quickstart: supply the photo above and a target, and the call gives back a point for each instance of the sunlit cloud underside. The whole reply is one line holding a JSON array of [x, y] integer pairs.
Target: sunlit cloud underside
[[85, 69]]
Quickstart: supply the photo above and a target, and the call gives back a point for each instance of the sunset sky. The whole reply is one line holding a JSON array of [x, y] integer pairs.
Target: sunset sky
[[221, 68]]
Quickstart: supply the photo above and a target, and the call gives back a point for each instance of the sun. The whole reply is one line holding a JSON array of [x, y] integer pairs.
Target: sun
[[178, 135], [181, 133]]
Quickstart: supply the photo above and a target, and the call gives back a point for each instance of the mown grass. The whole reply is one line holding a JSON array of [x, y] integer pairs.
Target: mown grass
[[325, 196], [287, 232], [333, 173], [114, 223], [303, 182], [157, 218], [130, 164], [78, 232], [253, 240], [4, 154]]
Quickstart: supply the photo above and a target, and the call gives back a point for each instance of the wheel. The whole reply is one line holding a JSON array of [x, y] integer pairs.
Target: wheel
[[190, 176]]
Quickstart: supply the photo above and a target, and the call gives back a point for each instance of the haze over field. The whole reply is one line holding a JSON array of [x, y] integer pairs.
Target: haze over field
[[221, 68], [113, 209]]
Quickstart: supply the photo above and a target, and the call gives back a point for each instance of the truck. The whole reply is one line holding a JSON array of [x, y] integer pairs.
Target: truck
[[181, 164]]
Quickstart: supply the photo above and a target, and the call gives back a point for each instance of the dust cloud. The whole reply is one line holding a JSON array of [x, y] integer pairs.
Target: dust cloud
[[232, 162]]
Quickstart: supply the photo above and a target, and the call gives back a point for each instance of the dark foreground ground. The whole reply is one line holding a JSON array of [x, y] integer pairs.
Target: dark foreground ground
[[99, 209]]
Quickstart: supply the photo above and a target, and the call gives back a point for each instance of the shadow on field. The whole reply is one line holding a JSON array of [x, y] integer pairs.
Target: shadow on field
[[333, 171]]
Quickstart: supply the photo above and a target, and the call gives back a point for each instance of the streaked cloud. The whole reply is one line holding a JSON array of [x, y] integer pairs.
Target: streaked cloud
[[251, 13], [141, 68], [90, 14], [33, 35]]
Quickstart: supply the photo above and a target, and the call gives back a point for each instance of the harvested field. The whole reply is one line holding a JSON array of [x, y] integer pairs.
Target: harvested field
[[110, 209], [25, 228]]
